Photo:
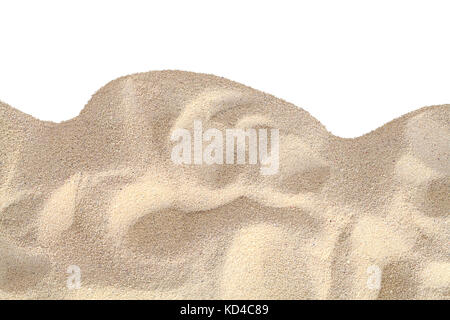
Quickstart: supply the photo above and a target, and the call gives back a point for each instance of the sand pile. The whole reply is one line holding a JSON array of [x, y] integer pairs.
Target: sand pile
[[100, 197]]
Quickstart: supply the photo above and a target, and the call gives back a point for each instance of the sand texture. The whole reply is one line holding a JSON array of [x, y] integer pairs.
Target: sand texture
[[101, 192]]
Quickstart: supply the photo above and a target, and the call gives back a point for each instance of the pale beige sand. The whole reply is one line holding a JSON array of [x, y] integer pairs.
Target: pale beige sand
[[100, 192]]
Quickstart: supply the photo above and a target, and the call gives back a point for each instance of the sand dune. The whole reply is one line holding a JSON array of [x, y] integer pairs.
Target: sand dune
[[363, 218]]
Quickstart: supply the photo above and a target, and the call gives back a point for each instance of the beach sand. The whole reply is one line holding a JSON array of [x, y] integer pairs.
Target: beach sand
[[363, 218]]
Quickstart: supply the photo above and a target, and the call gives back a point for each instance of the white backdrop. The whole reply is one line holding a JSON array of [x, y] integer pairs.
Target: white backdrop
[[354, 65]]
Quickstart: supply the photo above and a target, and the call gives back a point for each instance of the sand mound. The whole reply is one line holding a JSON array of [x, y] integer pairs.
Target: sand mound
[[99, 194]]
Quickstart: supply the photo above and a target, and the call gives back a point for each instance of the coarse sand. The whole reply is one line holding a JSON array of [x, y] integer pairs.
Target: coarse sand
[[363, 218]]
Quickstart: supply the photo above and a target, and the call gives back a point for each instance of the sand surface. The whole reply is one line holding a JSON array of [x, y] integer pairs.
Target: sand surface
[[101, 193]]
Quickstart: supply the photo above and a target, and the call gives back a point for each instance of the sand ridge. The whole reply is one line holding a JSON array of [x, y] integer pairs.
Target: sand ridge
[[100, 192]]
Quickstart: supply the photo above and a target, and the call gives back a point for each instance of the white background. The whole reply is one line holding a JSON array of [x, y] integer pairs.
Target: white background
[[354, 65]]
